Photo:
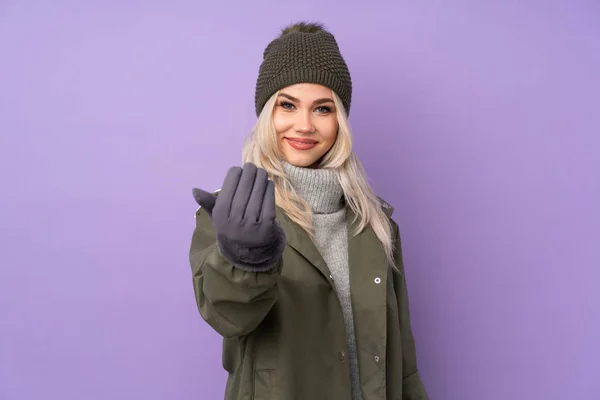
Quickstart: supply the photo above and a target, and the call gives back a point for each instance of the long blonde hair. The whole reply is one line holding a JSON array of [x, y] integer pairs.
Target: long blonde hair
[[261, 149]]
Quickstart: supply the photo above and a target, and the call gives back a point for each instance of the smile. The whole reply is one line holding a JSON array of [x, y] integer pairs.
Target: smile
[[302, 144]]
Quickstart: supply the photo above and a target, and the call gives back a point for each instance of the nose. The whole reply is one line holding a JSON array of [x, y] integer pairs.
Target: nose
[[304, 123]]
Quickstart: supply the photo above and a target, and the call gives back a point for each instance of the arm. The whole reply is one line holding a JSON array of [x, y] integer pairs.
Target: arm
[[412, 385], [231, 299], [236, 251]]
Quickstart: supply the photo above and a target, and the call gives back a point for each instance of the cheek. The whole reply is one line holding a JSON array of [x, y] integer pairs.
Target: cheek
[[281, 123], [329, 131]]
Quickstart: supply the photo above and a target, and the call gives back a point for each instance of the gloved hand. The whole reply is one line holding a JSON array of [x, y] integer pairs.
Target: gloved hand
[[243, 215]]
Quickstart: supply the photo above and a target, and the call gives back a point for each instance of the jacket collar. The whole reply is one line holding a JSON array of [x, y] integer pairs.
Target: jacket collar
[[362, 248]]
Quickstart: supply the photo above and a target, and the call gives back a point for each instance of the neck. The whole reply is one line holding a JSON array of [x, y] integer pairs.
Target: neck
[[319, 187]]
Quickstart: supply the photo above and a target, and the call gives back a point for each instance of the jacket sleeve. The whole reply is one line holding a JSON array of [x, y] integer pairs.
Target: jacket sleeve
[[412, 385], [232, 300]]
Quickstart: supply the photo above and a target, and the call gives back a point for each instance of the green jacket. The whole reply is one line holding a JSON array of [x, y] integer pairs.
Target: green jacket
[[283, 330]]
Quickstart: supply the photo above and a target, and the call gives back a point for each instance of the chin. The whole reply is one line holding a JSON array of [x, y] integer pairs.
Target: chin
[[301, 161]]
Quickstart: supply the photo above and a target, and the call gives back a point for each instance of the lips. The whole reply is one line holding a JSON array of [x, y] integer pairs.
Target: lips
[[302, 144]]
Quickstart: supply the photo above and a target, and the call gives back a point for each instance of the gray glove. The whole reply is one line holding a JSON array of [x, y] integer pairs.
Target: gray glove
[[243, 215]]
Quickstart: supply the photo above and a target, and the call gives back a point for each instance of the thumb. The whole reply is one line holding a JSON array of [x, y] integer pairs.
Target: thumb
[[205, 199]]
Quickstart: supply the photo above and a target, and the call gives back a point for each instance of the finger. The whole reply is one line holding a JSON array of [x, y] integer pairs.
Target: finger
[[242, 194], [205, 199], [228, 190], [268, 204], [257, 196]]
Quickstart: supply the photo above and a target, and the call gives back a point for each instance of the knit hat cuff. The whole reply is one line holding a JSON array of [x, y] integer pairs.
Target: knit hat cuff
[[295, 76]]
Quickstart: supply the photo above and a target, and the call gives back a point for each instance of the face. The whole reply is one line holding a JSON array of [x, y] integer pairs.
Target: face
[[306, 123]]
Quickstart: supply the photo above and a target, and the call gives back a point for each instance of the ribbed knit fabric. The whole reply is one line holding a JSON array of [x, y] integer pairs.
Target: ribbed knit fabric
[[321, 189]]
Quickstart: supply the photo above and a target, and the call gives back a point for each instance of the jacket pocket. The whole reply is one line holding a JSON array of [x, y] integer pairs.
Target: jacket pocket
[[263, 384]]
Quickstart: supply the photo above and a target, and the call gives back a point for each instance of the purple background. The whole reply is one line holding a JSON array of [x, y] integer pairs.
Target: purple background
[[480, 123]]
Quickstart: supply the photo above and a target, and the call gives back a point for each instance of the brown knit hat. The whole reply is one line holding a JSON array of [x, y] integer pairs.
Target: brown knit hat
[[304, 52]]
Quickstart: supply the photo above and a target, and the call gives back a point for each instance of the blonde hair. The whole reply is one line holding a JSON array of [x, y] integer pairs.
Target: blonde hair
[[261, 149]]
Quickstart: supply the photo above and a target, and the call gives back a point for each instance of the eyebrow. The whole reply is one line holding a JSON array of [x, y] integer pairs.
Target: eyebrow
[[318, 101]]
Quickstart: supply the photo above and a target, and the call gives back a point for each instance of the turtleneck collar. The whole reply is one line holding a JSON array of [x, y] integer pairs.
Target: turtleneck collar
[[319, 187]]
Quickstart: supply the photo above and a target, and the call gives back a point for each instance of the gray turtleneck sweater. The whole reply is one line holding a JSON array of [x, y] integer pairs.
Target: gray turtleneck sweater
[[321, 189]]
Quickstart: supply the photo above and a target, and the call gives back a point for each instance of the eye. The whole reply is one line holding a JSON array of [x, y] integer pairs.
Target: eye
[[286, 104], [324, 110]]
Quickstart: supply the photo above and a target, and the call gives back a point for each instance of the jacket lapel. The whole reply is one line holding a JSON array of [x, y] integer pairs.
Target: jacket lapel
[[298, 239], [362, 249]]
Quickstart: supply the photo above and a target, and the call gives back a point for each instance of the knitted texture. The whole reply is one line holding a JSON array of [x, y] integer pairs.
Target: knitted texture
[[321, 189], [301, 57]]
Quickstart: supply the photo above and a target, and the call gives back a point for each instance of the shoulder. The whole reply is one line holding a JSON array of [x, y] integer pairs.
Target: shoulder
[[386, 207], [388, 210], [215, 193]]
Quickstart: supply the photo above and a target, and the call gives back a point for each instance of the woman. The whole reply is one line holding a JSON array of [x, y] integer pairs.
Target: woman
[[296, 262]]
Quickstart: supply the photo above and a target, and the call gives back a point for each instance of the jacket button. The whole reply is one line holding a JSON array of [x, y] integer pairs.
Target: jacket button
[[342, 356], [376, 358], [378, 280]]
